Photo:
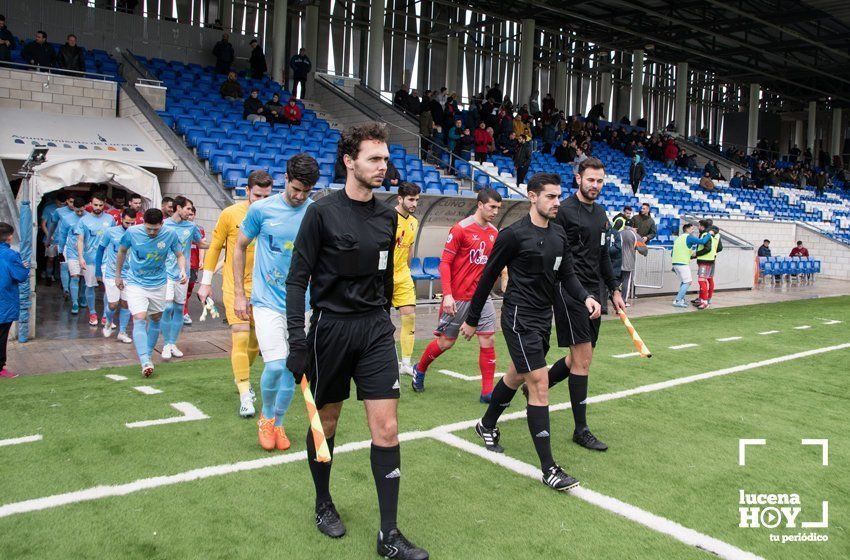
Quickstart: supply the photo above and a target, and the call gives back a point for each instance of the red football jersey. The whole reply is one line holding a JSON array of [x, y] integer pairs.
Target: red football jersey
[[194, 256], [464, 257]]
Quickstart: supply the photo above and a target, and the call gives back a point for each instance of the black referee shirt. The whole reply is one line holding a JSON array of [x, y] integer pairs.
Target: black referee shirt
[[537, 258], [586, 225], [344, 250]]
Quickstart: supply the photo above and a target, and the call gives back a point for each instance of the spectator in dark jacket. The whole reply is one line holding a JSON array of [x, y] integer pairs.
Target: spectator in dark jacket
[[224, 54], [7, 41], [644, 224], [563, 154], [392, 177], [230, 89], [274, 110], [636, 173], [12, 273], [71, 56], [522, 159], [400, 98], [257, 61], [300, 65], [39, 52], [764, 248], [253, 109]]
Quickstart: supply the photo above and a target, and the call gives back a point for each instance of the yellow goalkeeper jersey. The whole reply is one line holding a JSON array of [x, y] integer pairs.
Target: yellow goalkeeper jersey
[[405, 235], [224, 237]]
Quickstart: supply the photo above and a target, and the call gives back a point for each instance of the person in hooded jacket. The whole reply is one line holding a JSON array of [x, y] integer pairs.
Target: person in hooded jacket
[[12, 272], [257, 61], [253, 109]]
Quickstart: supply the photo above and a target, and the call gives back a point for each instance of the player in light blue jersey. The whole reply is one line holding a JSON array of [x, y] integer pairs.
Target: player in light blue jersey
[[54, 246], [175, 297], [68, 238], [272, 224], [147, 247], [89, 232], [47, 212], [108, 248]]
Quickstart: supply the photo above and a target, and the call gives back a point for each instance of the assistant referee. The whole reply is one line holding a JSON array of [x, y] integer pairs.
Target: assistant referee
[[344, 250], [538, 257], [586, 223]]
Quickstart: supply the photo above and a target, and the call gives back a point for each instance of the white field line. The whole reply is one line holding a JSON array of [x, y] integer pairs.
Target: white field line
[[19, 440], [769, 332], [114, 377], [457, 375], [633, 513], [832, 322], [729, 338], [629, 355], [683, 346], [803, 327], [190, 413], [147, 390], [99, 492]]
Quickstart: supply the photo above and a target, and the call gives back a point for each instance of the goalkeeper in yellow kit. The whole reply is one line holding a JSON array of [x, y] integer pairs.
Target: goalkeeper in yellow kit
[[245, 347], [404, 289]]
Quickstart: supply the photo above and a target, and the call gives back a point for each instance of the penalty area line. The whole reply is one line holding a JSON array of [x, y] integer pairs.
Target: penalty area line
[[99, 492], [633, 513]]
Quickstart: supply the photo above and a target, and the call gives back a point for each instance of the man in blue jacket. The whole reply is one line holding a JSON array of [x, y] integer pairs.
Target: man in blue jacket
[[301, 66], [12, 273]]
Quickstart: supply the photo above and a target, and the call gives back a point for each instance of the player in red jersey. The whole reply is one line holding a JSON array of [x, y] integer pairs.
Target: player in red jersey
[[464, 257]]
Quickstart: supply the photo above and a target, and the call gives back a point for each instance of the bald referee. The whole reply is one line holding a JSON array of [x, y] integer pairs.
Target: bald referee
[[537, 255], [344, 250], [585, 222]]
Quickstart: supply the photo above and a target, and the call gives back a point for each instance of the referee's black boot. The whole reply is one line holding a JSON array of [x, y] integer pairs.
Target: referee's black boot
[[490, 437], [587, 440], [556, 478], [395, 545], [328, 521]]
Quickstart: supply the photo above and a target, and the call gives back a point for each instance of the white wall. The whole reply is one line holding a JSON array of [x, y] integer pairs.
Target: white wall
[[834, 256], [61, 95]]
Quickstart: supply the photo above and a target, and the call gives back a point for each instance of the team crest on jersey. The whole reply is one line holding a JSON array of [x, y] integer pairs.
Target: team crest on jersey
[[160, 245]]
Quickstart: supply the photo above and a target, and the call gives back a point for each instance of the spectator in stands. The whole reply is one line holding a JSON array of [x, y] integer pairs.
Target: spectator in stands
[[224, 55], [71, 56], [257, 61], [706, 183], [580, 156], [596, 112], [533, 104], [39, 52], [437, 113], [764, 248], [292, 112], [466, 144], [821, 182], [522, 159], [392, 177], [636, 173], [562, 152], [794, 154], [301, 66], [671, 152], [413, 102], [736, 182], [442, 97], [426, 126], [622, 219], [799, 250], [230, 89], [495, 93], [400, 98], [455, 133], [641, 123], [12, 272], [7, 41], [549, 108], [483, 139], [274, 111], [507, 145], [644, 224], [625, 120], [550, 136], [747, 181], [252, 108]]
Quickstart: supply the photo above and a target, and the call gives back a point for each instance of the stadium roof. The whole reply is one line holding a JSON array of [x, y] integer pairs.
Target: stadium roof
[[796, 49]]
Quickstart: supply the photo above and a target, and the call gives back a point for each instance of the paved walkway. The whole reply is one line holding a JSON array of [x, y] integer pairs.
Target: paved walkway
[[69, 344]]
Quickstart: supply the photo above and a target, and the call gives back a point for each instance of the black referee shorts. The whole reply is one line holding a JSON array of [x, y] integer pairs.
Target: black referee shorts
[[346, 347], [527, 337], [572, 320]]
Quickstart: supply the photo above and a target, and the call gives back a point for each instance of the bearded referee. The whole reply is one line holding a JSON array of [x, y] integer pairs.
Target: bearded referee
[[344, 250], [585, 222], [538, 258]]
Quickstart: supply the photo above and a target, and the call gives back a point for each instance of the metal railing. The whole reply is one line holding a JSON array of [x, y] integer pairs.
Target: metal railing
[[61, 72], [430, 143]]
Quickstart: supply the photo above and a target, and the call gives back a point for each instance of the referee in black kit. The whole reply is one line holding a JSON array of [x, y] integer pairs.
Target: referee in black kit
[[586, 224], [344, 250], [537, 255]]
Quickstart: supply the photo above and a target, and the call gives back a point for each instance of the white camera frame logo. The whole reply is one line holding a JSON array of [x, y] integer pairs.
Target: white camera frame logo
[[779, 507]]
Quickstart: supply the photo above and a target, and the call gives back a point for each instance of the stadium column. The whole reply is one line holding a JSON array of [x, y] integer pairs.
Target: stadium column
[[810, 137], [604, 58], [798, 133], [837, 132], [526, 65], [226, 11], [561, 97], [753, 118], [311, 43], [452, 56], [636, 106], [376, 45], [279, 40], [681, 114]]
